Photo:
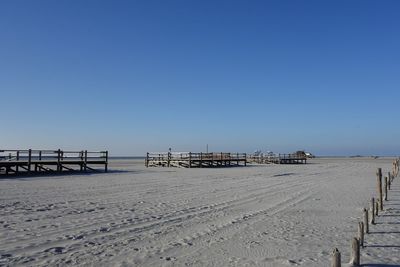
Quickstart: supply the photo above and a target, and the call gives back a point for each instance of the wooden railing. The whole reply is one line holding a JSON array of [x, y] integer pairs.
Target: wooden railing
[[11, 159], [169, 157]]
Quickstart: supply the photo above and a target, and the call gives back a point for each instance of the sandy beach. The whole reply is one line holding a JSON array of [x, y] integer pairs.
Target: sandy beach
[[259, 215]]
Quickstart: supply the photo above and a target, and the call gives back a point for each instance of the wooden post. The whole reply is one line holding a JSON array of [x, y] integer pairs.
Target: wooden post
[[106, 163], [29, 159], [147, 160], [190, 160], [386, 188], [85, 161], [389, 180], [40, 155], [366, 228], [201, 160], [355, 252], [81, 160], [245, 159], [336, 261], [169, 159], [361, 233], [377, 207], [59, 160], [379, 182], [16, 167], [372, 211]]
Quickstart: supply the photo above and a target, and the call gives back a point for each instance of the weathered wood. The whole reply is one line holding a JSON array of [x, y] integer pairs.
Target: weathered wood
[[372, 211], [106, 163], [336, 259], [29, 159], [389, 180], [59, 169], [355, 252], [85, 167], [278, 159], [377, 207], [34, 161], [379, 189], [17, 167], [366, 227], [195, 160], [386, 188], [361, 233]]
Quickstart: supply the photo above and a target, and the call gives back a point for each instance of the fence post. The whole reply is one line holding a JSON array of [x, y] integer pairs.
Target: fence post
[[29, 159], [336, 261], [355, 252], [366, 228], [59, 160], [81, 160], [85, 161], [190, 160], [372, 211], [386, 188], [16, 167], [106, 163], [389, 180], [361, 233], [377, 207], [379, 182]]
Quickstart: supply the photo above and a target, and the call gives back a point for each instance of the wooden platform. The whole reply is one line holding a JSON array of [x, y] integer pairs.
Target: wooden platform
[[279, 159], [15, 162], [195, 160]]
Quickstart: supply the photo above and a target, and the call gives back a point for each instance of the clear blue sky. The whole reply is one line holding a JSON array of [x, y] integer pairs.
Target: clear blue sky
[[137, 76]]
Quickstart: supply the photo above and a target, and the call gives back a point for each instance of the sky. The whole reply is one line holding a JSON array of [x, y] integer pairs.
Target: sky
[[138, 76]]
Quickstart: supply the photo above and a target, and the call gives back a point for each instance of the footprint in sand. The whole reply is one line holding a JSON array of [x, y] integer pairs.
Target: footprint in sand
[[55, 250]]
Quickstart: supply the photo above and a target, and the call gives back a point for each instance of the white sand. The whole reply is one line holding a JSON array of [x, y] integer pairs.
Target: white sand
[[263, 215]]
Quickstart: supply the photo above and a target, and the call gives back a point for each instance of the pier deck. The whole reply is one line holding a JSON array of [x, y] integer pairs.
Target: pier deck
[[195, 160], [15, 162]]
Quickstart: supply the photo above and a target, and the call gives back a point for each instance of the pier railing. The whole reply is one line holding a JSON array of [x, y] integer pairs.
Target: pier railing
[[14, 161], [278, 158], [194, 159]]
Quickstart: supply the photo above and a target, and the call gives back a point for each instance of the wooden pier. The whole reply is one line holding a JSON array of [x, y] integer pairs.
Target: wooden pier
[[195, 160], [15, 162], [279, 159]]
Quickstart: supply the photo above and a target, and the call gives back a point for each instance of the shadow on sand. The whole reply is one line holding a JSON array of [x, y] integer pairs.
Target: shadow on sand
[[61, 175], [380, 265]]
